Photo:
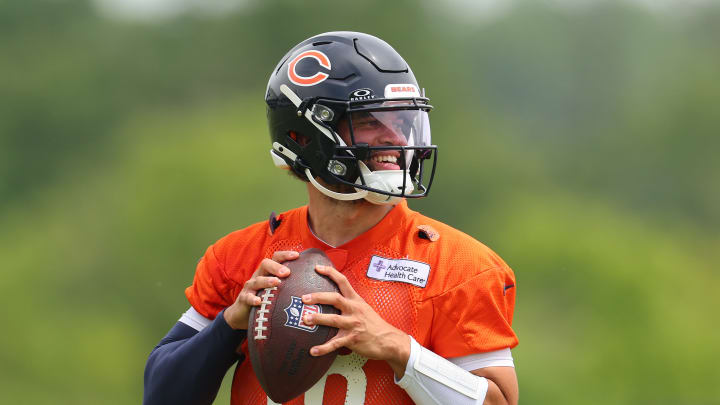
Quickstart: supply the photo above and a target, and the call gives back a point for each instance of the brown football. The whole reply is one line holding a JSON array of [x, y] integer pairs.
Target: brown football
[[279, 342]]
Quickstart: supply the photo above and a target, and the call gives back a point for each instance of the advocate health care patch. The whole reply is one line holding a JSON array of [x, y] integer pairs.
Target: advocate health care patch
[[402, 270]]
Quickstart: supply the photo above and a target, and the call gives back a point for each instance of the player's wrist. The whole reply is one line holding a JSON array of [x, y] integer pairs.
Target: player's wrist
[[400, 353], [233, 319]]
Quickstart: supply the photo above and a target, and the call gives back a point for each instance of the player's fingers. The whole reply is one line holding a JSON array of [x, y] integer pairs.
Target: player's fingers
[[345, 288], [336, 321], [260, 282], [328, 298], [268, 266], [329, 346], [285, 255], [249, 299]]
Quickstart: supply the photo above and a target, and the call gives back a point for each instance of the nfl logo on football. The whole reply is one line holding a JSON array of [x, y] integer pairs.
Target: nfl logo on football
[[297, 311]]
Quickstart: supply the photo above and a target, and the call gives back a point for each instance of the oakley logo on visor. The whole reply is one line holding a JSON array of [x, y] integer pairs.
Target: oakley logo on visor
[[318, 77]]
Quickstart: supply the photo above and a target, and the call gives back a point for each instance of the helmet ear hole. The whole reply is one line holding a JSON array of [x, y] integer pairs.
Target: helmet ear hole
[[299, 139]]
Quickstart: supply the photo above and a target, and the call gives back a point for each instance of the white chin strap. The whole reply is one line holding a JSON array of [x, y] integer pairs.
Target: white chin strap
[[333, 194], [386, 180]]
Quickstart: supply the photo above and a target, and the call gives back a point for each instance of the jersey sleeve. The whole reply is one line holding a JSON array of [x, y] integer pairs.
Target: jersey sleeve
[[475, 316], [211, 290]]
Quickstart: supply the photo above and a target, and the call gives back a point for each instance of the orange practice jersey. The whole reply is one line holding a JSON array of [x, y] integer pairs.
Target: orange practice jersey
[[450, 292]]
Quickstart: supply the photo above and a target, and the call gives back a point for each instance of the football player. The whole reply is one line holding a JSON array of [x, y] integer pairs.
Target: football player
[[426, 310]]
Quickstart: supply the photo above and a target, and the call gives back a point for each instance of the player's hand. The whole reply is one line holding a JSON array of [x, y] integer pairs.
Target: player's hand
[[267, 275], [361, 329]]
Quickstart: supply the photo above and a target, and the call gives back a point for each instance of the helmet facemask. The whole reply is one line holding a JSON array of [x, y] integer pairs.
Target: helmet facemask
[[380, 147], [387, 141]]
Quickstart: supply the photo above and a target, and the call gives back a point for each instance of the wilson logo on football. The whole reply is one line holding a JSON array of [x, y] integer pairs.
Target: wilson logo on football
[[318, 77], [297, 311]]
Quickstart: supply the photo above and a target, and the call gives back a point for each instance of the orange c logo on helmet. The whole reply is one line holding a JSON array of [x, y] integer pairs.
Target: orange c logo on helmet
[[318, 77]]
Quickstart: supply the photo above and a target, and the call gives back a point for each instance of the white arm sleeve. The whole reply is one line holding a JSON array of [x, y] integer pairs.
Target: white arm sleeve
[[497, 358], [193, 319], [432, 380]]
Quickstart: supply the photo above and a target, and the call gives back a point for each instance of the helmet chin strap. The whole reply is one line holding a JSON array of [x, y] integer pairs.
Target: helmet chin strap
[[385, 180], [333, 194]]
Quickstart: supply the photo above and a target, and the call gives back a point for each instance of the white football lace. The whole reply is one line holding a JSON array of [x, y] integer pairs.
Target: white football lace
[[260, 328]]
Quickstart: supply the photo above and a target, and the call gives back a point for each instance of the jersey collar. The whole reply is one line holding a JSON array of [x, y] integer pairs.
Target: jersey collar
[[391, 225]]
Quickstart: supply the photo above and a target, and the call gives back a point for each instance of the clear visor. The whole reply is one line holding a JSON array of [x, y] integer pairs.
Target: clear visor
[[389, 128]]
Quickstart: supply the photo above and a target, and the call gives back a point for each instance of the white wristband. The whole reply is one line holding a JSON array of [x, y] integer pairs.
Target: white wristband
[[432, 380]]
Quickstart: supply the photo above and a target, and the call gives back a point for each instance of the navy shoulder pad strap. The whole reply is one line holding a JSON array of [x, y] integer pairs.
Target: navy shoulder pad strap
[[274, 222]]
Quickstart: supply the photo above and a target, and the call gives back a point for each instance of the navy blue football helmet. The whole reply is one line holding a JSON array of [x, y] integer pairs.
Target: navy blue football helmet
[[346, 108]]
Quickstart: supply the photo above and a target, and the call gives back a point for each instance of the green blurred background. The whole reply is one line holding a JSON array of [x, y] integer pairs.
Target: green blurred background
[[578, 139]]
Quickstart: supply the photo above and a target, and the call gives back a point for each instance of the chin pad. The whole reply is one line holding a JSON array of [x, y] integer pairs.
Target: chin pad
[[390, 181]]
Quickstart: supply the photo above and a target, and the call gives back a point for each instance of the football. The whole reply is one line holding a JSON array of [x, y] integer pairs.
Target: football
[[279, 342]]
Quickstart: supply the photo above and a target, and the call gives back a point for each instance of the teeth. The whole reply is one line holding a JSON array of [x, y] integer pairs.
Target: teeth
[[384, 159]]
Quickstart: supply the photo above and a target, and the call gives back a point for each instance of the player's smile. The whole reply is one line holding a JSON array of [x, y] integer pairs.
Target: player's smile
[[385, 160], [368, 129]]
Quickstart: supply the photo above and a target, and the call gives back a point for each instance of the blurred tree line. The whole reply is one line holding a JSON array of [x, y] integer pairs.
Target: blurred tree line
[[579, 143]]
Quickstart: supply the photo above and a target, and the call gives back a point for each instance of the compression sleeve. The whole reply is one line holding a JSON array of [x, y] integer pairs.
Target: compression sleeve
[[187, 366], [432, 380]]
